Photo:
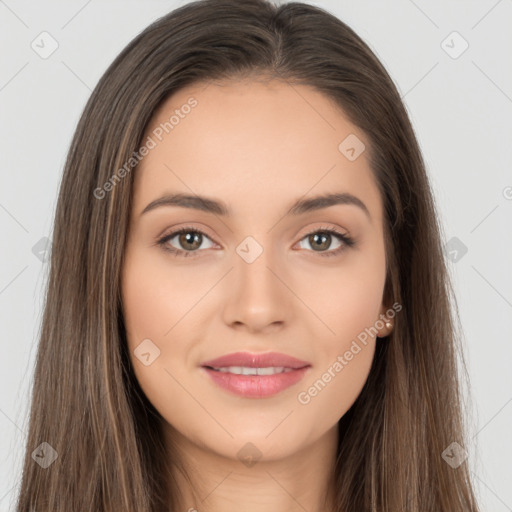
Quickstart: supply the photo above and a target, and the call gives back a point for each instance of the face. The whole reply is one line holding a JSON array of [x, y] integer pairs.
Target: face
[[291, 288]]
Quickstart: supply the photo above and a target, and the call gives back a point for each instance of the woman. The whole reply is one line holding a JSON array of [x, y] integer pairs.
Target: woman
[[303, 355]]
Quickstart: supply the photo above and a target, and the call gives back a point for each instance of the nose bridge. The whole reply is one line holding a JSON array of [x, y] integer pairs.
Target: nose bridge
[[252, 268], [257, 297]]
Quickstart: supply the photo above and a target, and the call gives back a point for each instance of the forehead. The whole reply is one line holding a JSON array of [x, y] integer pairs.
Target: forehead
[[254, 144]]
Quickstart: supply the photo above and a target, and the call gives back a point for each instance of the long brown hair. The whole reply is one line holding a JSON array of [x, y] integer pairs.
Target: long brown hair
[[86, 403]]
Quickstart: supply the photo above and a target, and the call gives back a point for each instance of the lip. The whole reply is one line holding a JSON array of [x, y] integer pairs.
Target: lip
[[256, 386], [263, 360]]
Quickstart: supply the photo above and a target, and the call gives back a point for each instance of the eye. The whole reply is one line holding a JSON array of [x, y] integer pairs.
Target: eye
[[321, 239], [189, 240]]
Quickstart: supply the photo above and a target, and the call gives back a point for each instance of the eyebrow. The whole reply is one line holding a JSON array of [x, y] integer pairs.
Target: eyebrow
[[217, 207]]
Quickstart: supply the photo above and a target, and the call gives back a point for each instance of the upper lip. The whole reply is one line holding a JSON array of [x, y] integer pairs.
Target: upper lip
[[264, 360]]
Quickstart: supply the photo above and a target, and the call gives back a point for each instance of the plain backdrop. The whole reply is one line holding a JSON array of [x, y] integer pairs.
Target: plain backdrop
[[451, 61]]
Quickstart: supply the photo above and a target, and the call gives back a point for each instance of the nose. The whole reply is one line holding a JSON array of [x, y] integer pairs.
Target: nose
[[257, 296]]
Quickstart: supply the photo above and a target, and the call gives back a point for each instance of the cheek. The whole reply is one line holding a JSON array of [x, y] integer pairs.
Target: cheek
[[345, 356], [349, 298], [344, 361], [158, 303], [156, 295], [151, 310], [333, 389]]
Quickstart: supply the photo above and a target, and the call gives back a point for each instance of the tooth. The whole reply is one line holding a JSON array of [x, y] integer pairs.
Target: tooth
[[240, 370], [243, 370], [270, 371]]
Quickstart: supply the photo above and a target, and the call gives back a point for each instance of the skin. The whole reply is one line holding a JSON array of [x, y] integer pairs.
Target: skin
[[258, 146]]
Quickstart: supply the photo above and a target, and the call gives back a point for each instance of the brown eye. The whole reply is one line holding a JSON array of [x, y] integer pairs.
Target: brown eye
[[188, 241], [321, 241]]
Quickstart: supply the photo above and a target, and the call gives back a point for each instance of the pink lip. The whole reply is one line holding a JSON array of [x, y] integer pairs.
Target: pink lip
[[256, 386], [249, 360]]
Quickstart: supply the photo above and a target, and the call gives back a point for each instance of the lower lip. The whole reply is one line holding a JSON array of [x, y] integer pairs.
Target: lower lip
[[256, 386]]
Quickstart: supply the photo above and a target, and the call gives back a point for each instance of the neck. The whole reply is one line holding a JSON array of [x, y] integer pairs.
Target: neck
[[304, 480]]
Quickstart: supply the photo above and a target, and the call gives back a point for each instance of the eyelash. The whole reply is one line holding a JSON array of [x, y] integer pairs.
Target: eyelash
[[347, 241]]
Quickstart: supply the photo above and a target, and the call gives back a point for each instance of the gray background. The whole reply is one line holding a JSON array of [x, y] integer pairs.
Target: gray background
[[461, 109]]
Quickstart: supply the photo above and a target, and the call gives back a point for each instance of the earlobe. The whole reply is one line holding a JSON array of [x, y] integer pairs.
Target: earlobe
[[384, 324], [386, 330]]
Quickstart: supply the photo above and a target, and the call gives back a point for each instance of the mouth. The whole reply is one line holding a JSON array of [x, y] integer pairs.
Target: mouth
[[255, 375]]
